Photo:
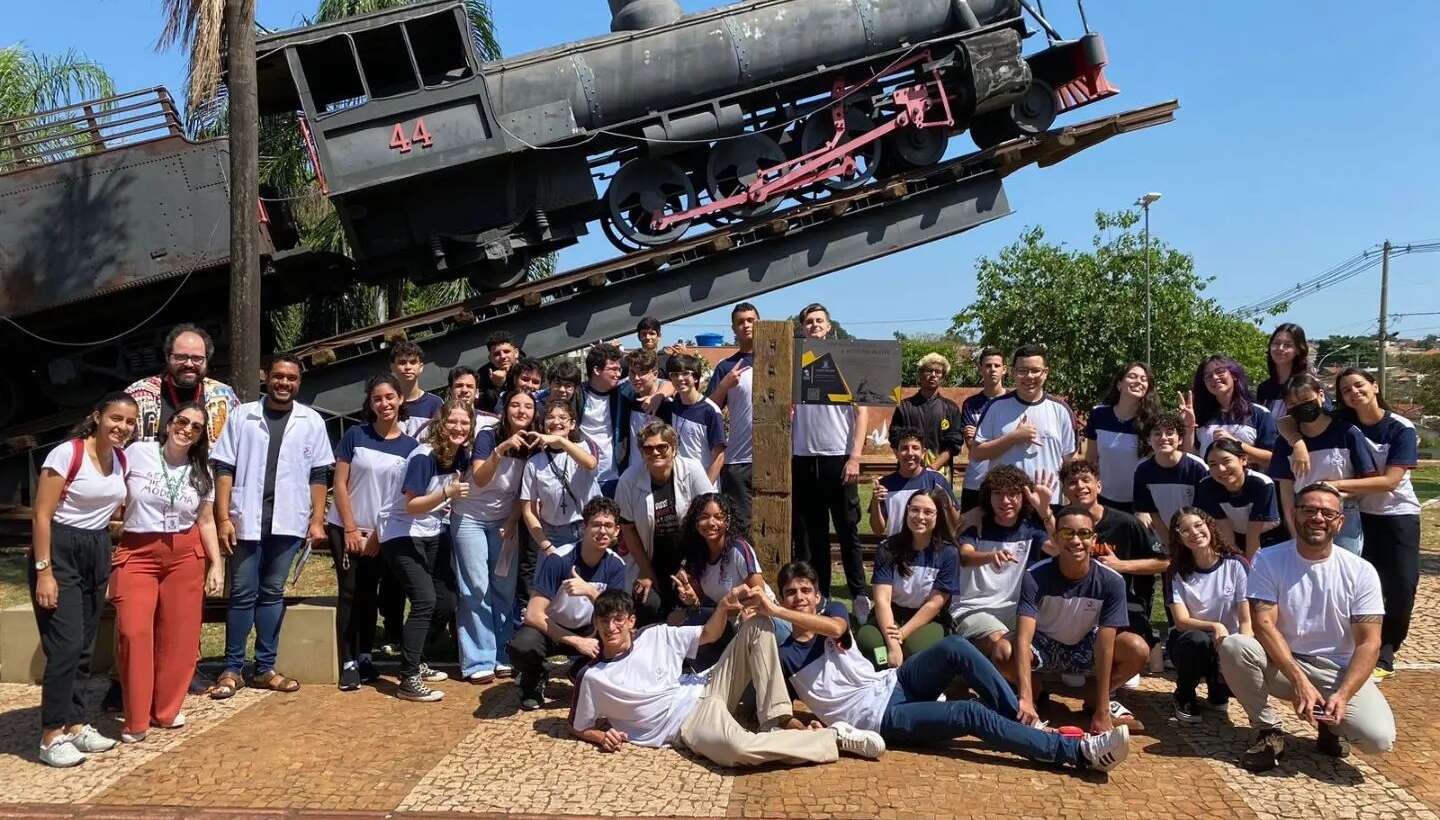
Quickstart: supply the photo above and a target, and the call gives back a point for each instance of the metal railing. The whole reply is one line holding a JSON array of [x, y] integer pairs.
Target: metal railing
[[87, 128]]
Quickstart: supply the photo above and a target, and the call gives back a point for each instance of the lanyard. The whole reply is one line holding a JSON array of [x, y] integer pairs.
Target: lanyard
[[172, 488]]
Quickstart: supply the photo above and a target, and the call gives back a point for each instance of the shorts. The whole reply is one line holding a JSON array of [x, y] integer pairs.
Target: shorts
[[1049, 655], [979, 624]]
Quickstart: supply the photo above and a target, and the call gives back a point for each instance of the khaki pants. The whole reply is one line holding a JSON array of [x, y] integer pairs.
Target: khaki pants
[[1368, 723], [712, 731]]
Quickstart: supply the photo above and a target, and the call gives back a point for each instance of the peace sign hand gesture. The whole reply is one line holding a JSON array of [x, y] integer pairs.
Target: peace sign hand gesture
[[1187, 408]]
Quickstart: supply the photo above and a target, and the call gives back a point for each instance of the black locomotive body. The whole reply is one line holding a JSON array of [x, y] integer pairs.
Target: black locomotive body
[[442, 166]]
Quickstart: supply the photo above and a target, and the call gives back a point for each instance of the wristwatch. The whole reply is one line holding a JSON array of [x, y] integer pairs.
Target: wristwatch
[[41, 566]]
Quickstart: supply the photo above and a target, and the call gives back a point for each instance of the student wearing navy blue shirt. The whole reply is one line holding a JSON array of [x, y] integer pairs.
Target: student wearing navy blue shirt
[[558, 616], [1288, 355], [1222, 407], [1389, 510], [369, 467], [407, 363], [730, 387], [1165, 482], [991, 364], [1241, 500], [1071, 619], [1112, 433], [915, 574], [820, 661], [890, 493], [1337, 452], [698, 422]]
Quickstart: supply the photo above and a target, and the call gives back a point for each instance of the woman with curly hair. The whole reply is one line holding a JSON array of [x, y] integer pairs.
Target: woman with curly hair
[[1112, 433], [716, 559], [916, 572], [1207, 601]]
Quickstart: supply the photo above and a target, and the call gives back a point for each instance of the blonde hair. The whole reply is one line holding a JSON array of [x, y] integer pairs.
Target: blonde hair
[[933, 359], [440, 443]]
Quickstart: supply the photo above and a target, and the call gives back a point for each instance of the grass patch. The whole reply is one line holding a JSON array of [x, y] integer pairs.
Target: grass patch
[[1427, 482]]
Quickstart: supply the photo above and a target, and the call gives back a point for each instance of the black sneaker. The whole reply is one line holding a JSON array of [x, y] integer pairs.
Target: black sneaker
[[1187, 711], [114, 701], [1265, 751], [532, 699], [367, 671], [200, 683], [349, 677], [413, 688], [1331, 743]]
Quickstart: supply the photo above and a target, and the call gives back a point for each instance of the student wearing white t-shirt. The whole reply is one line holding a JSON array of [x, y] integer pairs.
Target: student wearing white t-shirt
[[1207, 581], [1317, 613], [558, 481], [605, 414], [159, 575], [484, 528], [826, 442], [715, 562], [638, 687], [369, 467], [81, 485], [730, 388], [1113, 429], [1027, 427], [904, 704]]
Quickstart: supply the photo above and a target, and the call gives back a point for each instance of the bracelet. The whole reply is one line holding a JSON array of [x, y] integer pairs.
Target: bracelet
[[352, 530]]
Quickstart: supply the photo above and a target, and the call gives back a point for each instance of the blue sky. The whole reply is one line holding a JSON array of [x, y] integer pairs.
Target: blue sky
[[1306, 133]]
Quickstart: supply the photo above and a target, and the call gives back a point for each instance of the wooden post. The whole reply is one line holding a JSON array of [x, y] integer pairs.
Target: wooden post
[[244, 191], [770, 473]]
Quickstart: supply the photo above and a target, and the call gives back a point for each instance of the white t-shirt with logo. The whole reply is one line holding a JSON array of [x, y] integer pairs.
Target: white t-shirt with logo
[[92, 497], [544, 480], [644, 692], [739, 431], [834, 680], [822, 429], [1213, 594], [1050, 416], [1316, 600], [151, 483]]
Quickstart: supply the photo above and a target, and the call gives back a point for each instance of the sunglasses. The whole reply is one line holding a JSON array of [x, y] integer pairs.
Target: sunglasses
[[1068, 533], [180, 423], [657, 449]]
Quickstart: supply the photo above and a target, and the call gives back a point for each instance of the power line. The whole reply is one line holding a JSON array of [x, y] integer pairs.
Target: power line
[[1366, 260]]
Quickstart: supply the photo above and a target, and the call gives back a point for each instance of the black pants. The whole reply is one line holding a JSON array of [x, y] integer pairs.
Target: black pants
[[80, 562], [1193, 653], [529, 558], [735, 482], [357, 578], [415, 562], [1392, 546], [820, 497], [391, 604], [528, 651]]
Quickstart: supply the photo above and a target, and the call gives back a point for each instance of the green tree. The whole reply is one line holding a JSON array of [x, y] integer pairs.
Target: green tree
[[1087, 307], [914, 347], [32, 83]]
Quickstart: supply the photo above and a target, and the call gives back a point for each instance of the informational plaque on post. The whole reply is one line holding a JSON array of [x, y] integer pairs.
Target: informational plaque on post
[[851, 372]]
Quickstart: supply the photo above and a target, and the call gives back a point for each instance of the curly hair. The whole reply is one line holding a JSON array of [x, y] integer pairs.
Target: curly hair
[[1182, 560], [693, 548], [446, 451], [1002, 478]]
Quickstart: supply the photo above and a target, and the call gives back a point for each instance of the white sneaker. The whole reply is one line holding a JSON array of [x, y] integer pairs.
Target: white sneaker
[[90, 741], [1132, 684], [431, 675], [1106, 751], [1074, 680], [126, 737], [504, 670], [177, 723], [62, 753], [859, 742], [484, 676], [861, 607]]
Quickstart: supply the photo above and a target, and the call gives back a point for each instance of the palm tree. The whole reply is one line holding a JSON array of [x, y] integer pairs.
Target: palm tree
[[32, 83]]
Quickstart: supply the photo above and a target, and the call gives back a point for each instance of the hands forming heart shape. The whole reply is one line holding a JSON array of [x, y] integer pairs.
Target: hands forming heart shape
[[531, 438]]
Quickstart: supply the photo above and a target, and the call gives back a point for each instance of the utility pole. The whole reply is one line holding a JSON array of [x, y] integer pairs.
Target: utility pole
[[244, 205], [1384, 308]]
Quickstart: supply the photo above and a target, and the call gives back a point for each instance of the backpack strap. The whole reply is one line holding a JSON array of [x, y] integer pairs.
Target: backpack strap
[[77, 458]]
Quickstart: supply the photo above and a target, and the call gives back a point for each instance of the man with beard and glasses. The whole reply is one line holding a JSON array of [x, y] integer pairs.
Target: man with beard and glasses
[[188, 353]]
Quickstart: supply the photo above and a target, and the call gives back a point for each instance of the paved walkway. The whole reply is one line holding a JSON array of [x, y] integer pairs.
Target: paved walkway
[[320, 751]]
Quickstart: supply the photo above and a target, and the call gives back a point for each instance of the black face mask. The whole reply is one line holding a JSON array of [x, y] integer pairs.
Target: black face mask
[[1305, 413]]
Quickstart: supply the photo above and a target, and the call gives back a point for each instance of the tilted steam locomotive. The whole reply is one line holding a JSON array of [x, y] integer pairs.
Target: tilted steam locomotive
[[442, 166]]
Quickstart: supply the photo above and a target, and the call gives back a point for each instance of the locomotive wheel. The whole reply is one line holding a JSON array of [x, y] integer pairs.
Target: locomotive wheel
[[735, 164], [1032, 114], [607, 227], [644, 187], [819, 128], [500, 274], [915, 147]]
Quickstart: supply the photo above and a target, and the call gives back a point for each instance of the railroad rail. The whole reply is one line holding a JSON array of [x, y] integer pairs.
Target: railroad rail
[[569, 310]]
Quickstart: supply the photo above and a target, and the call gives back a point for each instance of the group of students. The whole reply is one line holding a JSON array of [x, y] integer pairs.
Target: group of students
[[604, 514]]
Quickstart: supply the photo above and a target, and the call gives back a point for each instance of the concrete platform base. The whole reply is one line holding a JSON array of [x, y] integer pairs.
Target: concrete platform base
[[307, 651], [21, 660]]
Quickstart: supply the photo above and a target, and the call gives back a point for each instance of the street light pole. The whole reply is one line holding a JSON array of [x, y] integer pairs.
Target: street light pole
[[1145, 202]]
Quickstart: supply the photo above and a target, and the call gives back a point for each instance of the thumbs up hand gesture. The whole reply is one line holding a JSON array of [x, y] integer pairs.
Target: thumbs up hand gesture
[[1025, 432], [579, 587]]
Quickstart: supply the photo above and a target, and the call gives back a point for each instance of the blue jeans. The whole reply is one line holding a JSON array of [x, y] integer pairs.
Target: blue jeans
[[1351, 536], [914, 717], [258, 570], [485, 606]]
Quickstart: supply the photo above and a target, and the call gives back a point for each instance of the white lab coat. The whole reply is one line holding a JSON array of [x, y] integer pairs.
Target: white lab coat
[[636, 498], [246, 443]]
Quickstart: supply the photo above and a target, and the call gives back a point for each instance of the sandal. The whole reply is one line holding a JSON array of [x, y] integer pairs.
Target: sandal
[[228, 684], [276, 682]]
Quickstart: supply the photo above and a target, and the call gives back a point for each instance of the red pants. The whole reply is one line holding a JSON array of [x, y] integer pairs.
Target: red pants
[[157, 583]]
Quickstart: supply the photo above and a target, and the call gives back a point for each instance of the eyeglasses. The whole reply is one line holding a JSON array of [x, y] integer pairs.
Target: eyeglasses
[[182, 358], [1306, 510], [1030, 371], [1067, 533], [922, 512], [181, 423]]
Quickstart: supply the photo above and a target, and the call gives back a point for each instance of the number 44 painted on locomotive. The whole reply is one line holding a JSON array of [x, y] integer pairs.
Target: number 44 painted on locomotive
[[403, 144]]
